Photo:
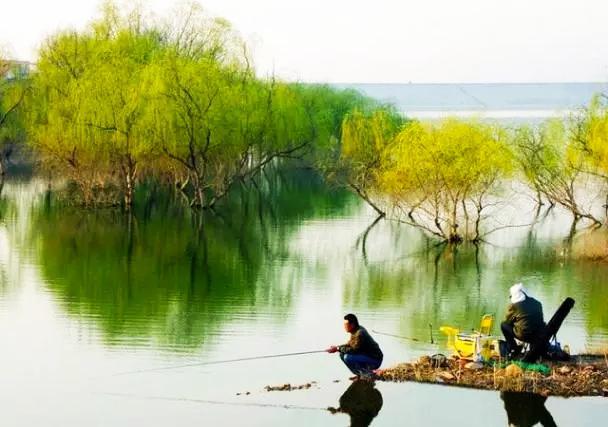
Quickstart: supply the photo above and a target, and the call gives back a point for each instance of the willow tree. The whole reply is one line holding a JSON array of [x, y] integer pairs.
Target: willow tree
[[589, 134], [129, 98], [225, 125], [13, 86], [117, 86], [442, 177], [56, 130], [366, 137], [553, 165], [90, 118], [201, 102]]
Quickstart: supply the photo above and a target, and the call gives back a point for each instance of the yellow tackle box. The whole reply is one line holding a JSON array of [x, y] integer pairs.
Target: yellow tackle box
[[475, 346]]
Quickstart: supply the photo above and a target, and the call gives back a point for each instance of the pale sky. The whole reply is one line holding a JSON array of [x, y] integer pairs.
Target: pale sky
[[379, 40]]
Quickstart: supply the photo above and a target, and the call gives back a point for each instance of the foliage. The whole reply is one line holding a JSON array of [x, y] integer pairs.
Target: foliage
[[129, 99], [432, 174], [366, 135], [552, 165], [590, 134]]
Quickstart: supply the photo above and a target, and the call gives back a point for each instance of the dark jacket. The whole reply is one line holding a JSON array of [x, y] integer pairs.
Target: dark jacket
[[526, 317], [361, 342]]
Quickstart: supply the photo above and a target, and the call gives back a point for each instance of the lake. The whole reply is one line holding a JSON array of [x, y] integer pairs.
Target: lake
[[504, 102], [93, 306]]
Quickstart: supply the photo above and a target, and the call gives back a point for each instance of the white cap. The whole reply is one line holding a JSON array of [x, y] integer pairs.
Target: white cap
[[518, 293]]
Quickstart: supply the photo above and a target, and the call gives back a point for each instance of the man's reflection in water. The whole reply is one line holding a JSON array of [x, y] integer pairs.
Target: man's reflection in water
[[526, 409], [361, 401]]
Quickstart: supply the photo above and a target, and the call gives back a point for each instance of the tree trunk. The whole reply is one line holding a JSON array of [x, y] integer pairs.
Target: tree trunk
[[198, 199], [130, 174], [2, 172], [454, 236], [364, 196]]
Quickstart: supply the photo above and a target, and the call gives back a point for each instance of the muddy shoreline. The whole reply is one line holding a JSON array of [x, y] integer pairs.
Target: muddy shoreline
[[583, 375]]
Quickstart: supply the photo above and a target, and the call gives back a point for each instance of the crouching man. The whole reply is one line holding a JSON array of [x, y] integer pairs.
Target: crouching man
[[361, 354]]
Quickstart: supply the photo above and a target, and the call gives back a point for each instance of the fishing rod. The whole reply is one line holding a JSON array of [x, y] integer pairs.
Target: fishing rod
[[218, 362], [396, 336], [407, 338]]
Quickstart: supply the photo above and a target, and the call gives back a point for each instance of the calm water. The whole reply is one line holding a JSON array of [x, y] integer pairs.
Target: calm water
[[85, 296], [506, 102]]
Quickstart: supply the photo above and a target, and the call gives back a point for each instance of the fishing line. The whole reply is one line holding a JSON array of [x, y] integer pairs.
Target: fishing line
[[432, 341], [218, 362], [396, 336], [213, 402]]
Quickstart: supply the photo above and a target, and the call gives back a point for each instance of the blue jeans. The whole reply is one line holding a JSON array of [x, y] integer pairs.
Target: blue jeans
[[360, 364]]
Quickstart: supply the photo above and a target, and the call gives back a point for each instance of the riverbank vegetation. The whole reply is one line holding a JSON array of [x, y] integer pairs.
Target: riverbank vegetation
[[133, 100]]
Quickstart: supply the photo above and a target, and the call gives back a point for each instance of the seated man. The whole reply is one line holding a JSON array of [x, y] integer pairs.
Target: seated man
[[361, 354], [524, 320]]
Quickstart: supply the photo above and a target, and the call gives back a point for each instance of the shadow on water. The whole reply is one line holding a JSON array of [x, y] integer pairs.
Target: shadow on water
[[362, 402], [526, 410]]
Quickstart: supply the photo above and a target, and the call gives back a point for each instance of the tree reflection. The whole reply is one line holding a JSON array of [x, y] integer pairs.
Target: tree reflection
[[457, 285], [168, 276]]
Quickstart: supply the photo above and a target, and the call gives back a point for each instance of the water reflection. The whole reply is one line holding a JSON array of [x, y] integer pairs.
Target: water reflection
[[169, 277], [456, 286], [362, 401], [526, 409], [267, 274]]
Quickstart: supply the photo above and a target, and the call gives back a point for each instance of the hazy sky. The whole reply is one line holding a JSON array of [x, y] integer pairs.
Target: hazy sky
[[380, 40]]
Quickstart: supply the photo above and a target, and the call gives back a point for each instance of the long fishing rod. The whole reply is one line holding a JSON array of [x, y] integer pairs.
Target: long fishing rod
[[407, 338], [396, 336], [218, 362]]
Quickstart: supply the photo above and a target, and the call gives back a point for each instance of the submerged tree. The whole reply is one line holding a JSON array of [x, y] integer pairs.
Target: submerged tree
[[443, 177], [90, 116], [589, 134], [366, 136], [553, 166]]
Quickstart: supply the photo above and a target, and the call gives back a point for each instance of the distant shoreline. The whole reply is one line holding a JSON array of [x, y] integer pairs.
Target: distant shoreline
[[490, 100], [441, 113]]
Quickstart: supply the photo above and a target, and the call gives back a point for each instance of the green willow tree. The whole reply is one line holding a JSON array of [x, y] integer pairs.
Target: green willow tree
[[129, 100], [209, 115], [366, 137], [589, 134], [553, 166], [90, 116], [443, 177]]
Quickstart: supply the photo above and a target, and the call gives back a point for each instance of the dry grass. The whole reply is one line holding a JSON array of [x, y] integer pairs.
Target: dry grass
[[592, 246]]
